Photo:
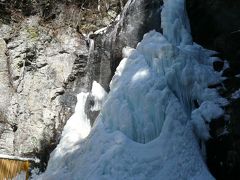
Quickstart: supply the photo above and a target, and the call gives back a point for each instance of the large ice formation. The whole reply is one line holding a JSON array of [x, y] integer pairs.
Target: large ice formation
[[155, 117]]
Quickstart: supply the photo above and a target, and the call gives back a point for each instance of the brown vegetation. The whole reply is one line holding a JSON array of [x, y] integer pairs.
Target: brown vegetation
[[11, 168]]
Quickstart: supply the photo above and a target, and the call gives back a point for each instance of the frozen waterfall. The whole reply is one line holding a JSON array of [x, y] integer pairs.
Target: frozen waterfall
[[148, 127], [76, 129]]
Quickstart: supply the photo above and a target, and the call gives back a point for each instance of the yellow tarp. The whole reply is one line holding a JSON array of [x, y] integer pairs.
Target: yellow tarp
[[11, 168]]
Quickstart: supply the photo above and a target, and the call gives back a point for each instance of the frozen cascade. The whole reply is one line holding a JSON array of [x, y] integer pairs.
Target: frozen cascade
[[175, 23], [76, 129], [99, 95], [148, 127]]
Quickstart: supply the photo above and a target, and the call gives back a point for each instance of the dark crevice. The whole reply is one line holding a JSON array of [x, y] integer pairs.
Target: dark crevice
[[215, 25]]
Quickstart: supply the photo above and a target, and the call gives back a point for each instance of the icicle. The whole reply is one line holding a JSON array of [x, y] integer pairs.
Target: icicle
[[175, 23]]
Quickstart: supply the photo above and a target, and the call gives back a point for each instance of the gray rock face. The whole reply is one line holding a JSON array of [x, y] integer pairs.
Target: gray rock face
[[6, 136], [137, 18], [36, 95]]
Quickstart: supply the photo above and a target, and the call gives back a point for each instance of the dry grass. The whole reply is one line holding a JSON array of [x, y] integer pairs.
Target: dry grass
[[11, 168]]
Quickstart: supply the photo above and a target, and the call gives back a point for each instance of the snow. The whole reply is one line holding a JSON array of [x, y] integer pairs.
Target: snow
[[101, 31], [236, 94], [20, 176], [3, 156], [127, 51], [149, 127], [76, 129], [99, 95], [238, 76]]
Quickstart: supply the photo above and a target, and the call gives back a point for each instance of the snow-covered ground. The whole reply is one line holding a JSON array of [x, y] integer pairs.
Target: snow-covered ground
[[155, 118]]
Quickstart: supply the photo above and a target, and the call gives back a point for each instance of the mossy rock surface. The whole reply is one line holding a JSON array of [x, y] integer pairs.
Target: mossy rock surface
[[33, 32]]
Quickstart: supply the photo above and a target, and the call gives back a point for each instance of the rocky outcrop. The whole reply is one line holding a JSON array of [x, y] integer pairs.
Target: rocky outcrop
[[6, 135], [39, 64], [137, 18]]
